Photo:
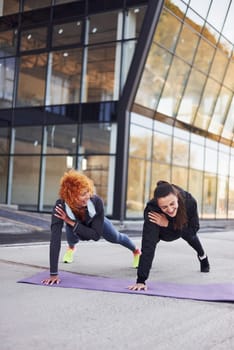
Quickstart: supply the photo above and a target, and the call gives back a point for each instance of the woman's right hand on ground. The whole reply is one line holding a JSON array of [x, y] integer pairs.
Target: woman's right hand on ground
[[138, 286], [52, 280]]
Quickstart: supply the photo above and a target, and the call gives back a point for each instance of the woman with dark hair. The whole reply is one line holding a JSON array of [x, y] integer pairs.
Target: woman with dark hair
[[171, 214]]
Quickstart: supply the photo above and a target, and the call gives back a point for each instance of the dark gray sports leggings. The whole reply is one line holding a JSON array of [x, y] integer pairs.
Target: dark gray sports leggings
[[195, 243]]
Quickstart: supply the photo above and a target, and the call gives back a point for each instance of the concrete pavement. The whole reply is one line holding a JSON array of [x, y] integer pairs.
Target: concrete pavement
[[41, 317]]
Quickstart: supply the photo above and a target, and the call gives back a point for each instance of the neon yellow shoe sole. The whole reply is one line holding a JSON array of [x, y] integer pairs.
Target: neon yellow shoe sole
[[69, 256], [136, 258]]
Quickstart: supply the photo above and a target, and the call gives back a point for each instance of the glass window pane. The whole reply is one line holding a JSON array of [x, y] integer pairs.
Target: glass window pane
[[7, 73], [228, 129], [179, 176], [33, 39], [162, 148], [28, 139], [187, 43], [231, 197], [61, 139], [31, 84], [153, 78], [4, 142], [200, 7], [223, 163], [167, 30], [128, 52], [200, 140], [195, 186], [57, 2], [211, 34], [98, 138], [196, 156], [138, 169], [67, 33], [206, 107], [173, 87], [231, 172], [180, 152], [163, 127], [133, 22], [228, 26], [178, 7], [209, 196], [32, 4], [103, 27], [211, 160], [226, 46], [191, 97], [8, 42], [100, 170], [64, 74], [217, 13], [55, 167], [9, 6], [204, 56], [181, 134], [219, 65], [229, 77], [100, 78], [222, 198], [194, 20], [25, 188], [140, 142], [141, 120], [219, 114], [159, 172], [4, 160]]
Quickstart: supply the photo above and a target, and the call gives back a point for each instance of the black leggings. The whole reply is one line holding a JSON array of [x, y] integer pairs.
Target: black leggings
[[195, 243]]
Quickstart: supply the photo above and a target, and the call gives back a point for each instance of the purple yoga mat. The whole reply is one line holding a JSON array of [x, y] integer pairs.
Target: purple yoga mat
[[206, 292]]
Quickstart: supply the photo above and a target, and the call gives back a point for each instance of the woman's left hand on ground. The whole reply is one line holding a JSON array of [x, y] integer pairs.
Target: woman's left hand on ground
[[158, 219], [138, 286], [51, 280]]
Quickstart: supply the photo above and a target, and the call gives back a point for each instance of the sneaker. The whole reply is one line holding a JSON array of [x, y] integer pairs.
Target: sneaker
[[68, 256], [136, 258], [205, 266]]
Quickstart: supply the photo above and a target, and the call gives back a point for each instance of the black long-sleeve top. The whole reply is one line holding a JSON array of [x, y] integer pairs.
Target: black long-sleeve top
[[153, 233], [90, 229]]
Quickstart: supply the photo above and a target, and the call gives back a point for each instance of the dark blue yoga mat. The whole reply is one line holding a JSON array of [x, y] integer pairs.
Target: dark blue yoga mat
[[206, 292]]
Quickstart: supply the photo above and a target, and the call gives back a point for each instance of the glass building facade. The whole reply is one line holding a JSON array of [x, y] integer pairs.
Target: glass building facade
[[127, 91]]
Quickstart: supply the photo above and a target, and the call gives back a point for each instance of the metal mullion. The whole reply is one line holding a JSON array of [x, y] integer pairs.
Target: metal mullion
[[125, 103]]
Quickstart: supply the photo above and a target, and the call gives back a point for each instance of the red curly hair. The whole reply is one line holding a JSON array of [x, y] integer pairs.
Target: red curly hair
[[72, 185]]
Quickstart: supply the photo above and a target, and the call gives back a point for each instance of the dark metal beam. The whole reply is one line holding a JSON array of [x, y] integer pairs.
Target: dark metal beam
[[124, 105]]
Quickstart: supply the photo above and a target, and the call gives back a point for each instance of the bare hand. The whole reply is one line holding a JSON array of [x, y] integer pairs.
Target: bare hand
[[51, 280], [138, 286], [61, 214], [159, 219]]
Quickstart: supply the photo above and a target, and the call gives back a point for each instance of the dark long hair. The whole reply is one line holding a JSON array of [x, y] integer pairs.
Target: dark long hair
[[163, 189]]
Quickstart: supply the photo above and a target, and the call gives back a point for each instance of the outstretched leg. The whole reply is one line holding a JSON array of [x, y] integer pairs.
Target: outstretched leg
[[72, 240], [112, 235], [195, 243]]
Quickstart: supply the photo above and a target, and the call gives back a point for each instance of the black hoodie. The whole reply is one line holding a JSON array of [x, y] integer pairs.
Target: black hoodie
[[152, 233]]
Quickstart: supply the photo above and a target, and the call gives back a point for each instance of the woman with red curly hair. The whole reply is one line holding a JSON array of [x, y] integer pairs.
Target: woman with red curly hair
[[83, 212]]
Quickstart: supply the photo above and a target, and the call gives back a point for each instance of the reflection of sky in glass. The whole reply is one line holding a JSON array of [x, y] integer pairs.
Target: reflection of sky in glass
[[200, 6], [216, 14], [228, 26]]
